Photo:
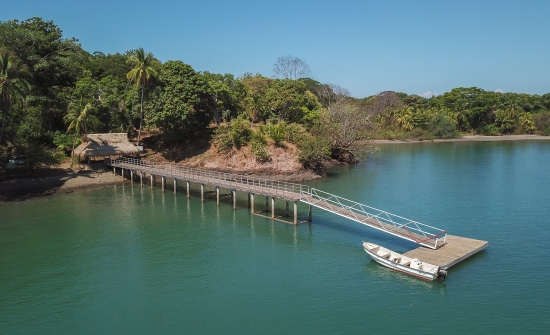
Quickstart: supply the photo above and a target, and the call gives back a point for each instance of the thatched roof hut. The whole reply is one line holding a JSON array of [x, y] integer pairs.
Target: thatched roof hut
[[105, 145]]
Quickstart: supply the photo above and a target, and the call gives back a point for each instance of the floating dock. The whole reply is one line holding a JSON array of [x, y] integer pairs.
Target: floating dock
[[456, 250]]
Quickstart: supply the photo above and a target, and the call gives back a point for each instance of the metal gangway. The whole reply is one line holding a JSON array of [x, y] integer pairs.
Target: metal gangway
[[414, 231]]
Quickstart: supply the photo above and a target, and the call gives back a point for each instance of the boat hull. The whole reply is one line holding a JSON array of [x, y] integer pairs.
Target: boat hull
[[401, 268]]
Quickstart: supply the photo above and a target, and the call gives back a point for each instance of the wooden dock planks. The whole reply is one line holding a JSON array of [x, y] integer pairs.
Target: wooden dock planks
[[457, 249]]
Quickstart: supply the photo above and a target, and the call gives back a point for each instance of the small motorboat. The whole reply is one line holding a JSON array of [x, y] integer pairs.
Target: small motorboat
[[401, 263]]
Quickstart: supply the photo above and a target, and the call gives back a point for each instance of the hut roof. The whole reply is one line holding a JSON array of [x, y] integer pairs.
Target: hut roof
[[105, 145]]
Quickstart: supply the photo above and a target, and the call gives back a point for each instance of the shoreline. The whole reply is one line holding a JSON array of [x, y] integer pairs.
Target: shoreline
[[21, 189], [24, 188], [470, 138]]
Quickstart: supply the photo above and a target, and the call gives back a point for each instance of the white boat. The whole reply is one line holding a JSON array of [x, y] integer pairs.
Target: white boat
[[401, 263]]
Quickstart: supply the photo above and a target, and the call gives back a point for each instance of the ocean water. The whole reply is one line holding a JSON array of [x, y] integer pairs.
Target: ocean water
[[126, 260]]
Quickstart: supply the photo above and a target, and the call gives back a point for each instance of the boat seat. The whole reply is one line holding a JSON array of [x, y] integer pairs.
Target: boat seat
[[405, 261], [384, 253], [395, 257]]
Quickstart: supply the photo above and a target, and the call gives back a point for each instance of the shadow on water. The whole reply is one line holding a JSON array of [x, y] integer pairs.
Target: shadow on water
[[364, 233], [386, 274], [477, 258]]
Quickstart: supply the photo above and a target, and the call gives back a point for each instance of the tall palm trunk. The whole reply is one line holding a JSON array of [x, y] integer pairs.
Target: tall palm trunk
[[4, 116], [72, 151], [141, 115]]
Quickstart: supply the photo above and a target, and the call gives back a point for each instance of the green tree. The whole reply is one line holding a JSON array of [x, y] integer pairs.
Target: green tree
[[142, 74], [79, 119], [228, 94], [185, 104], [13, 88]]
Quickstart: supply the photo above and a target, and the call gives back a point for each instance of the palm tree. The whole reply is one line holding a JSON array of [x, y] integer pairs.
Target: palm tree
[[12, 88], [142, 75], [79, 119]]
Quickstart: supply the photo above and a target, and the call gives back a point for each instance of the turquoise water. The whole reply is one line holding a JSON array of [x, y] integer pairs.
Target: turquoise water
[[121, 260]]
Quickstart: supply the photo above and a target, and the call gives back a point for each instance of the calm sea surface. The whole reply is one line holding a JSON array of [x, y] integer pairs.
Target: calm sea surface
[[121, 260]]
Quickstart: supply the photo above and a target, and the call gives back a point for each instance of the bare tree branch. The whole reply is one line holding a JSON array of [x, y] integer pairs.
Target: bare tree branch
[[290, 67]]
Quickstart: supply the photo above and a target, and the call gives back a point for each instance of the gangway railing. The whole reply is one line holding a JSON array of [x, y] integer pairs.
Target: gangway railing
[[420, 233], [394, 224]]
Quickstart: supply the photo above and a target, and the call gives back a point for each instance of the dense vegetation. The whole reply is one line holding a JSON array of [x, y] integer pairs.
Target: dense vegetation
[[463, 110], [52, 91]]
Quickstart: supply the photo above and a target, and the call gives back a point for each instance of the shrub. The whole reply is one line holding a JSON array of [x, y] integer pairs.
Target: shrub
[[64, 142], [277, 132], [222, 138], [491, 130], [313, 151], [240, 131], [442, 125], [233, 134], [295, 133], [542, 123], [506, 120], [526, 123], [259, 151]]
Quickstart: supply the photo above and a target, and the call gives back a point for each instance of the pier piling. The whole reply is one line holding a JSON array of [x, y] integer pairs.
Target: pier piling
[[295, 220], [252, 203]]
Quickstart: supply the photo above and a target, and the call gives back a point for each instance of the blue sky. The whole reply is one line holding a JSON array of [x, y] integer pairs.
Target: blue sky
[[364, 46]]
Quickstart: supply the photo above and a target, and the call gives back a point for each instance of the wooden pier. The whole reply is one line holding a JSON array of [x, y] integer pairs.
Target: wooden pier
[[436, 246]]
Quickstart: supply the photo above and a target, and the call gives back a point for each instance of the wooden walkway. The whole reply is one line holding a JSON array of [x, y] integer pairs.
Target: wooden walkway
[[414, 231]]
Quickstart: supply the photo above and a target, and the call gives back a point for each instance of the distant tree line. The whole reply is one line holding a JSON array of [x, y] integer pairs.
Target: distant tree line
[[462, 110], [52, 91]]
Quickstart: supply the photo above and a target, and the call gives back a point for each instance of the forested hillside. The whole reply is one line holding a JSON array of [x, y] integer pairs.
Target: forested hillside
[[53, 91]]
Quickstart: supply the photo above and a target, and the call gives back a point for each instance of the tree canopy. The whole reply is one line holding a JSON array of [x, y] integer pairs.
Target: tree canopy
[[47, 81]]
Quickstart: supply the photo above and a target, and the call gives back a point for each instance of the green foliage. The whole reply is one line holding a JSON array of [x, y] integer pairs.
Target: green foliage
[[222, 138], [49, 82], [313, 151], [64, 142], [184, 104], [295, 133], [441, 124], [467, 109], [287, 100], [277, 132], [259, 151], [236, 133], [526, 123], [13, 88], [542, 123], [228, 94]]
